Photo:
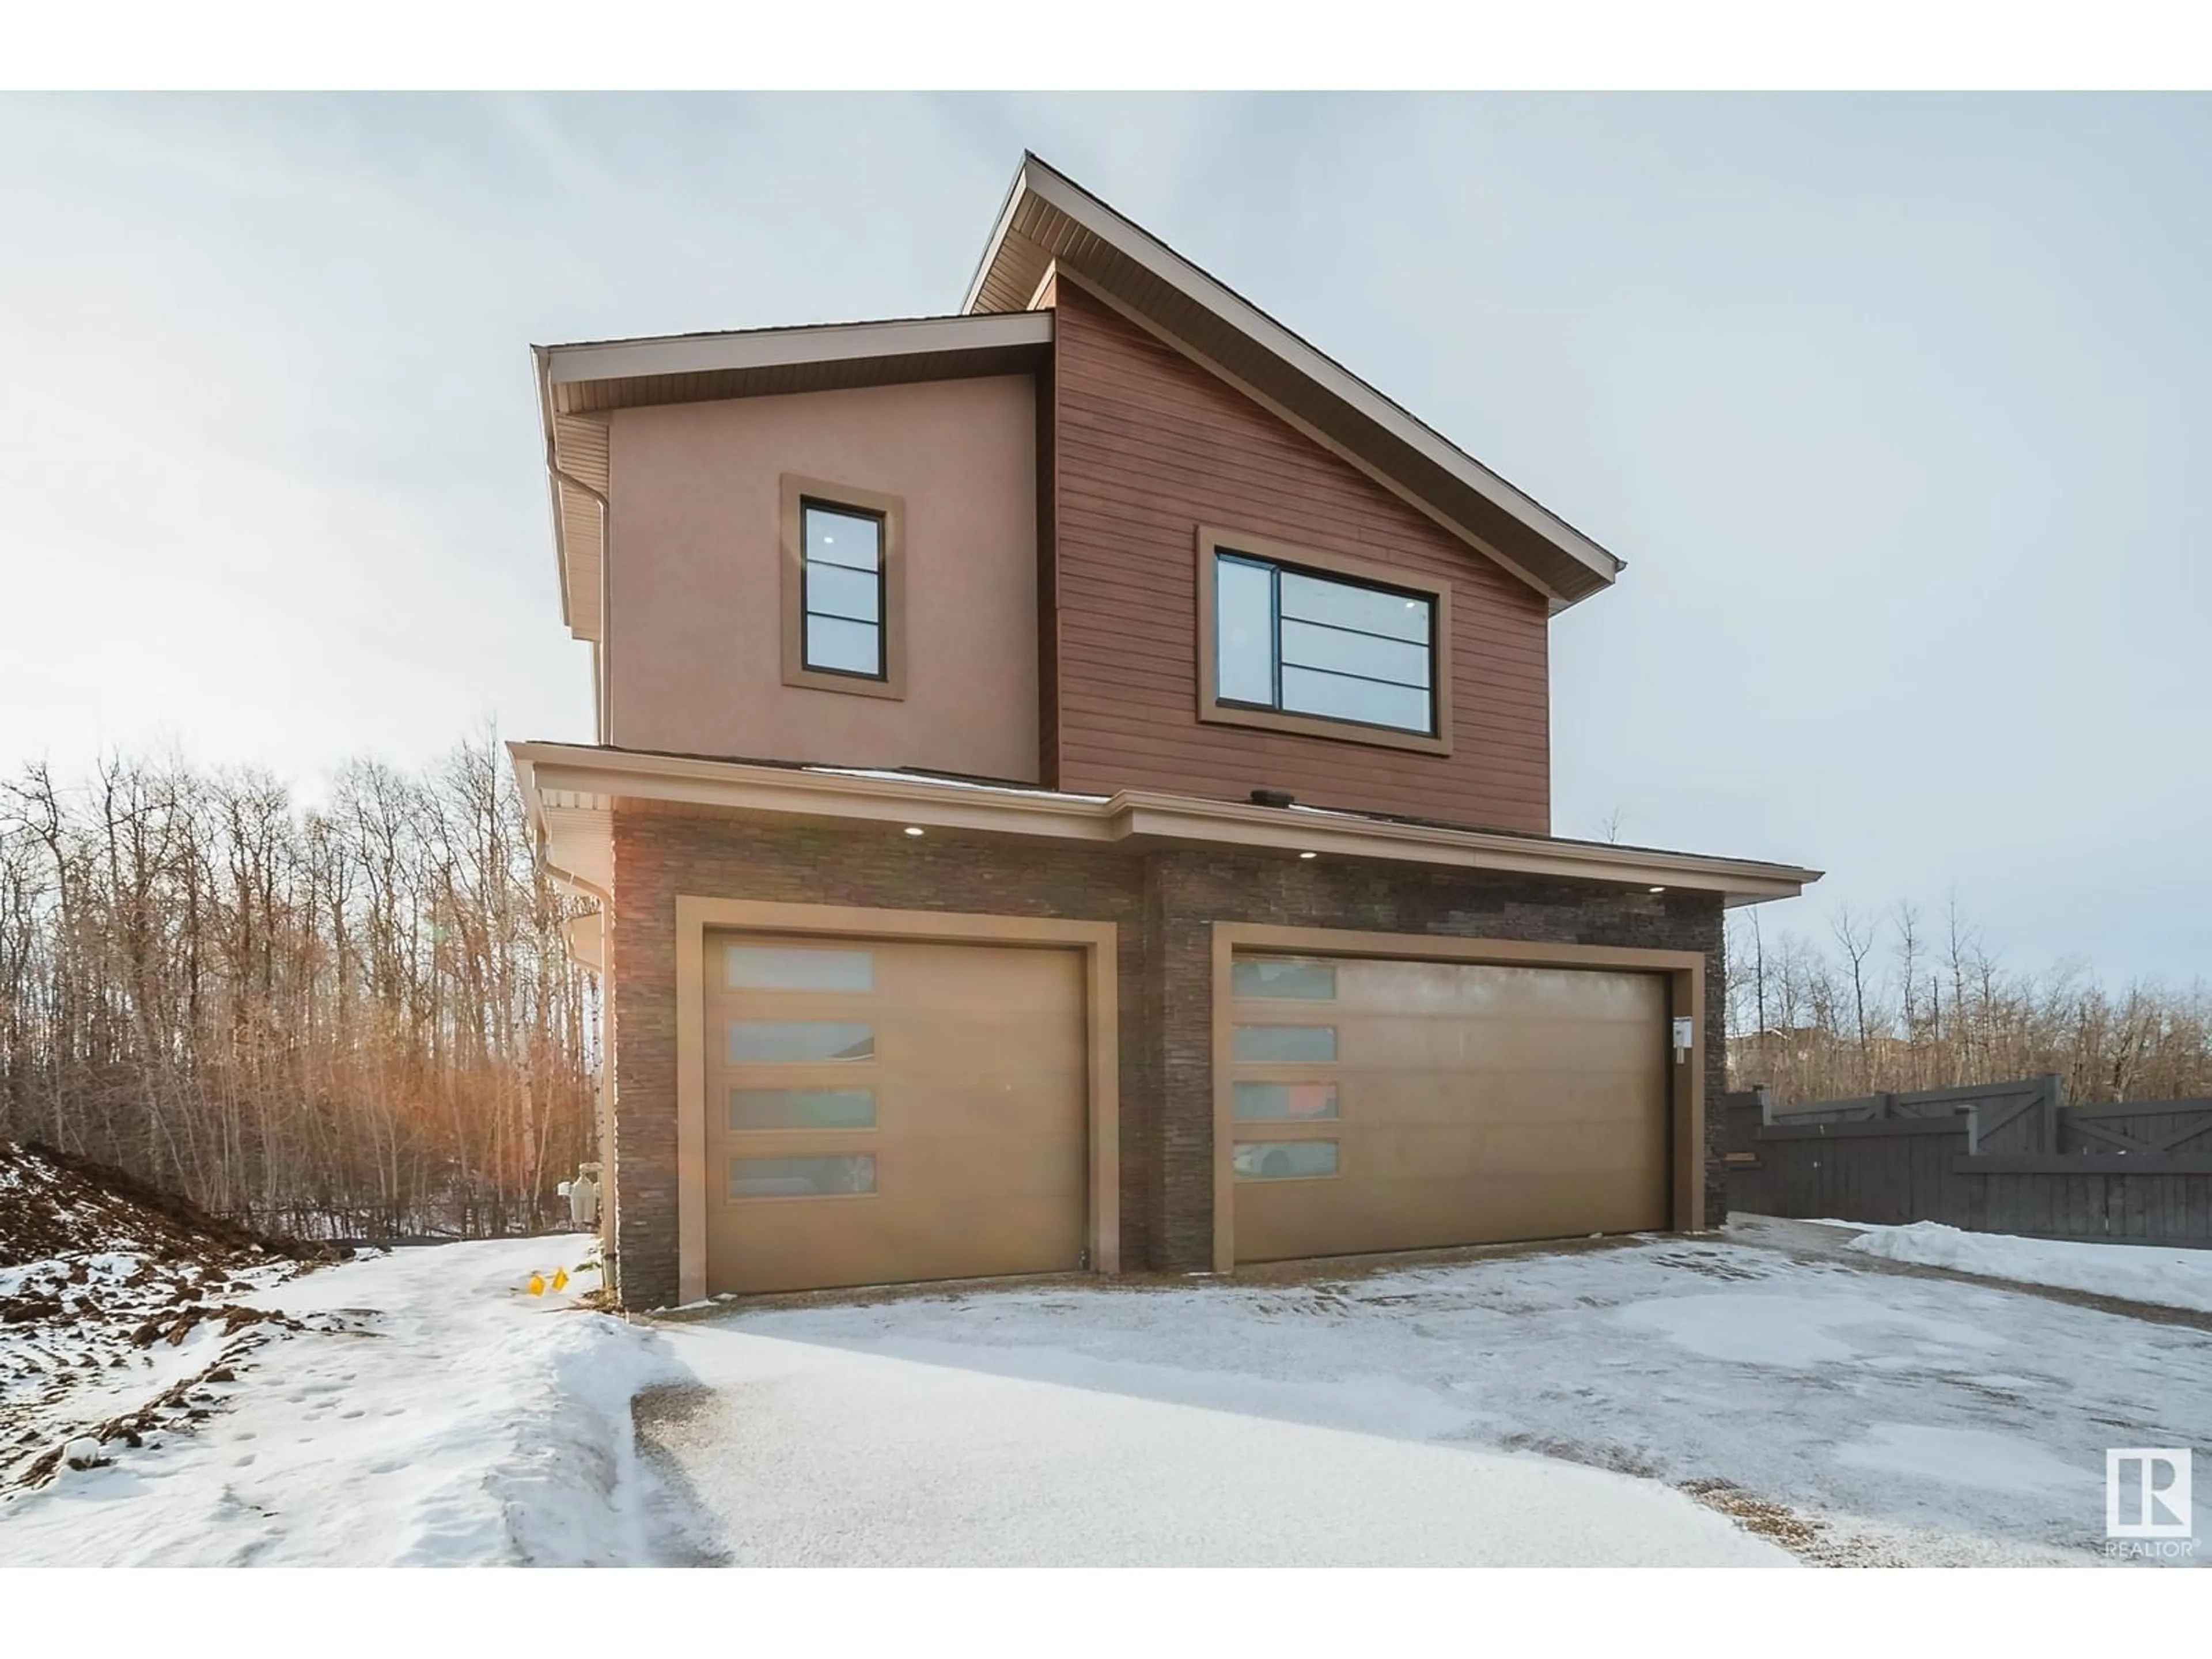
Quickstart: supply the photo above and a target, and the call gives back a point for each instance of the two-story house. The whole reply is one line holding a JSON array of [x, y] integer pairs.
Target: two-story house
[[1071, 791]]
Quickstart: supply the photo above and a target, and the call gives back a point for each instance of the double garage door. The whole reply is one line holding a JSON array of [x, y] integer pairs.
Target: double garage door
[[880, 1111], [1379, 1105]]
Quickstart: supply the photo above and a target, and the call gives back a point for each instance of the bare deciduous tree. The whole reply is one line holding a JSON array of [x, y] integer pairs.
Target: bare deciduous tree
[[1817, 1029], [355, 1021]]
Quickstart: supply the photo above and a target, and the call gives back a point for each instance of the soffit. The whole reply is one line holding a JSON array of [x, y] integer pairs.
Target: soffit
[[572, 790]]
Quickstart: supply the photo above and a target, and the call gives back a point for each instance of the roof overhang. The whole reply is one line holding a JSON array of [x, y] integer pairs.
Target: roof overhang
[[572, 792], [1050, 221], [580, 386]]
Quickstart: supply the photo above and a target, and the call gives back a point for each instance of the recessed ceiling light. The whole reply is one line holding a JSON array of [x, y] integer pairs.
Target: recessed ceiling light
[[1308, 855], [1658, 889], [914, 828]]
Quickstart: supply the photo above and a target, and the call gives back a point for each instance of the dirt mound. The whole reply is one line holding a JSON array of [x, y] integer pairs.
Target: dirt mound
[[53, 1205], [123, 1309]]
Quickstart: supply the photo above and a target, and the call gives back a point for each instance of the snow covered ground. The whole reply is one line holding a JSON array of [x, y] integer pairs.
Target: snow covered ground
[[1653, 1401], [2133, 1273], [1856, 1413], [801, 1454], [428, 1411]]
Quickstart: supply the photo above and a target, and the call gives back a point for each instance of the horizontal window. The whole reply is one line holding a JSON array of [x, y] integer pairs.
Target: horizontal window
[[1285, 1160], [797, 1041], [1292, 1043], [802, 1108], [1309, 982], [782, 968], [840, 1175], [1284, 1102], [1302, 643]]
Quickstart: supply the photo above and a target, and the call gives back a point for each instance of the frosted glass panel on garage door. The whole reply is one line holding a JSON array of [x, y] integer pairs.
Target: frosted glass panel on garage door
[[1304, 981], [1286, 1044], [798, 1042], [802, 1108], [782, 968], [842, 1175]]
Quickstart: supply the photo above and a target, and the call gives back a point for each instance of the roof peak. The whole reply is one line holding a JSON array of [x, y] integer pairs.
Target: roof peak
[[1048, 221]]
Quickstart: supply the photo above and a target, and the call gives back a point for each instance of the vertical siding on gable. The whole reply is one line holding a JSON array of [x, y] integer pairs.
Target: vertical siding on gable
[[1146, 446]]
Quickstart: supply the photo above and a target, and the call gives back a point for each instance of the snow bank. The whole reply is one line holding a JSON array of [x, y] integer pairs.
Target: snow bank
[[2133, 1273], [430, 1413]]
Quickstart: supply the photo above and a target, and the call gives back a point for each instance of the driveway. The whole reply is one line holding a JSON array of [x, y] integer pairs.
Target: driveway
[[1760, 1399]]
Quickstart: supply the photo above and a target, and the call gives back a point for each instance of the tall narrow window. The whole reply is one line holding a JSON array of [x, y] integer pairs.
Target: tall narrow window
[[842, 598], [844, 588]]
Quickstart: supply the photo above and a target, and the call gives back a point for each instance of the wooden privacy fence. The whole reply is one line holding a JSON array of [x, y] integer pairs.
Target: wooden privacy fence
[[2000, 1157]]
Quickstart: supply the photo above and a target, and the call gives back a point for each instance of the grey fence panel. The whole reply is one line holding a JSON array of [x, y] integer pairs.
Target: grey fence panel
[[2156, 1126], [1860, 1109], [2006, 1157]]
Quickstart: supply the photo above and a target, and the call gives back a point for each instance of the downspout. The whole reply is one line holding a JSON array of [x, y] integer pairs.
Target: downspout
[[610, 1162], [590, 889]]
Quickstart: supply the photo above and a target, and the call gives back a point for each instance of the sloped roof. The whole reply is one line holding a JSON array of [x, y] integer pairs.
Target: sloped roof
[[1049, 224], [1049, 221]]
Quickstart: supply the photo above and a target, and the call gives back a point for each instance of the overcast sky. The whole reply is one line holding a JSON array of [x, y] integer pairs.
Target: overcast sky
[[1897, 408]]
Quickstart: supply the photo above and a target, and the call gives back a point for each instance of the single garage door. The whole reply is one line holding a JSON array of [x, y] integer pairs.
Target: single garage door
[[1408, 1105], [880, 1111]]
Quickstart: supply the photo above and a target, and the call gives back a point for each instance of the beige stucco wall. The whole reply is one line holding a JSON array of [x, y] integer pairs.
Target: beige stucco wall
[[694, 580]]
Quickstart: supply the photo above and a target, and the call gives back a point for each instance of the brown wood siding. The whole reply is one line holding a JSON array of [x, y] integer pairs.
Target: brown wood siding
[[1047, 517], [1147, 448]]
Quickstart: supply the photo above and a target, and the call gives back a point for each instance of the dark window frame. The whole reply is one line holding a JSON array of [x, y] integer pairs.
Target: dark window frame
[[1275, 569], [1214, 544], [890, 512], [807, 613]]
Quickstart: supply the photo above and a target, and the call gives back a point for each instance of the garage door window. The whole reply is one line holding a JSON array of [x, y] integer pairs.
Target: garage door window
[[1286, 1044], [780, 968], [1307, 982], [800, 1042], [1292, 1103], [802, 1108], [1285, 1160], [845, 1176]]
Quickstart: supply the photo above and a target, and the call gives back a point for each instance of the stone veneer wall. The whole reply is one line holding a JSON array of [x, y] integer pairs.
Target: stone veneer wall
[[1165, 902]]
